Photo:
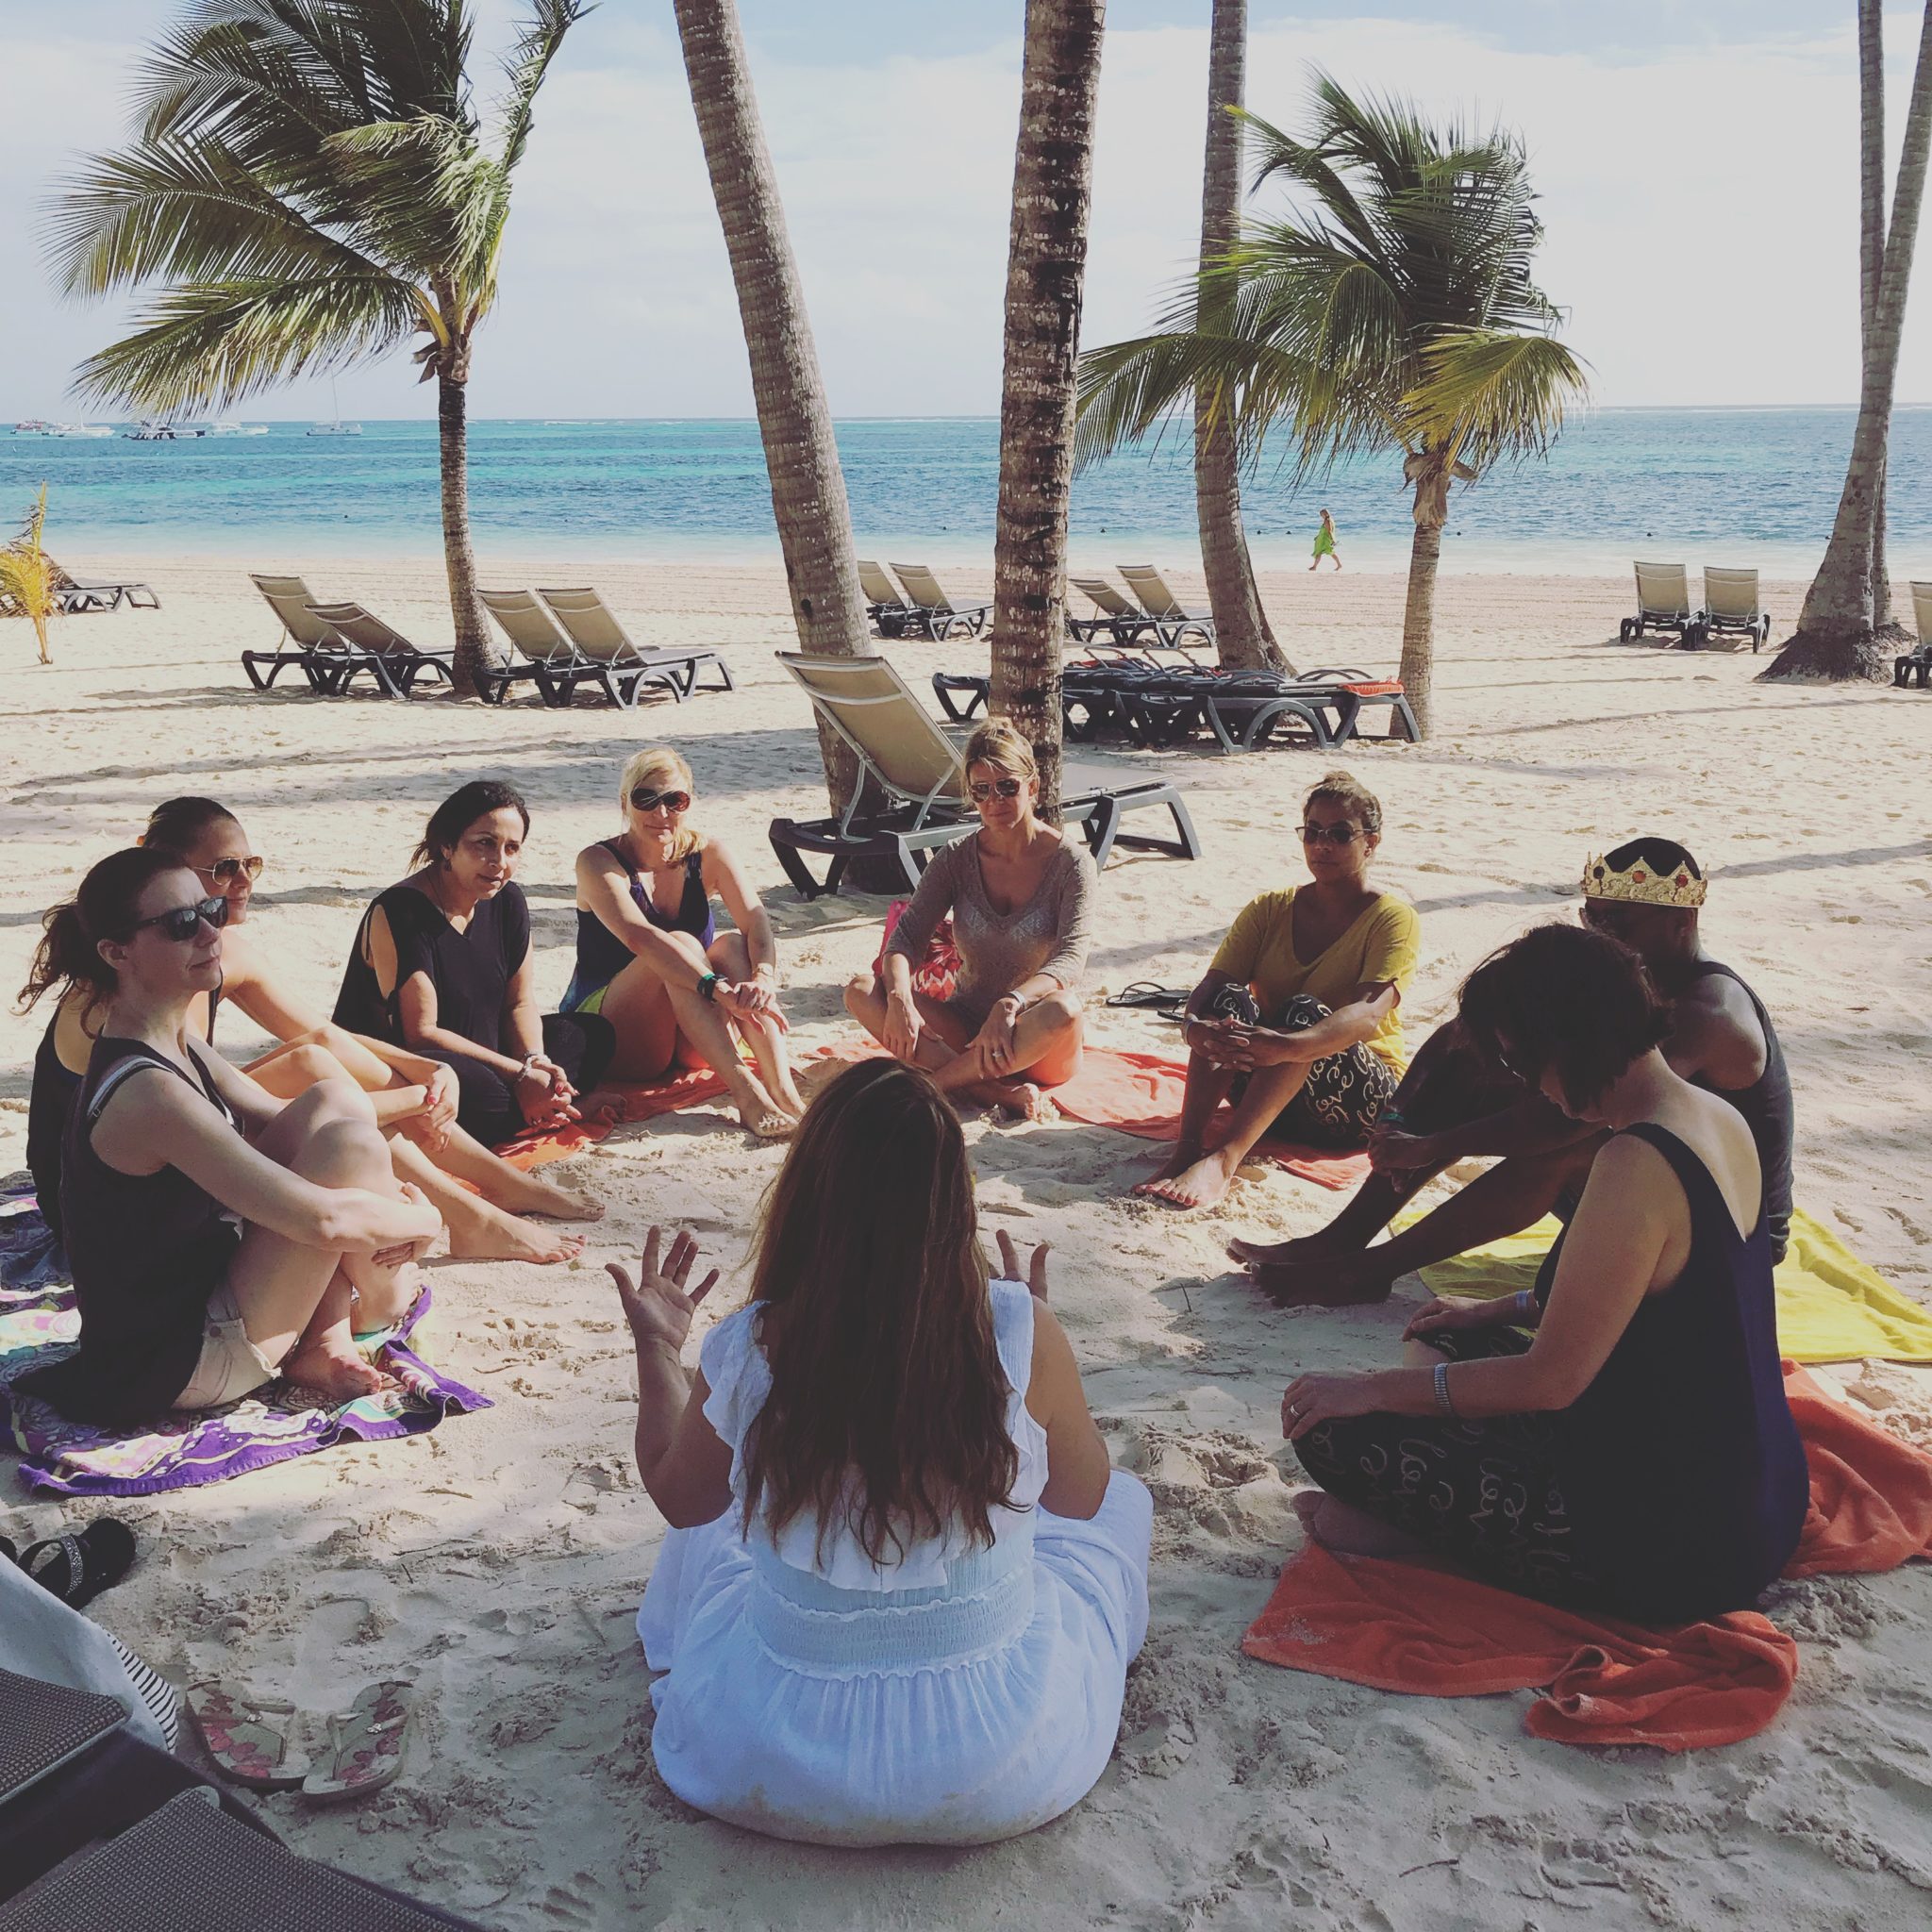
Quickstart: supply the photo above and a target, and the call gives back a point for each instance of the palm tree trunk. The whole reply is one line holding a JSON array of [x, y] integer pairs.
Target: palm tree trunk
[[1046, 269], [1419, 612], [795, 420], [1871, 246], [453, 447], [1242, 634], [1834, 638]]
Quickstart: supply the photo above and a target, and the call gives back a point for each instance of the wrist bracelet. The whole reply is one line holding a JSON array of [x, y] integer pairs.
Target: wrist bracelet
[[708, 987], [1442, 1381], [1525, 1303]]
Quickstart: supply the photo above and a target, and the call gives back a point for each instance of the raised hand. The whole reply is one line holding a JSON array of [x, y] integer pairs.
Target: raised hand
[[1035, 1276], [656, 1303]]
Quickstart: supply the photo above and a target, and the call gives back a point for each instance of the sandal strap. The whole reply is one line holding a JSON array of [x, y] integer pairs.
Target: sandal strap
[[38, 1559]]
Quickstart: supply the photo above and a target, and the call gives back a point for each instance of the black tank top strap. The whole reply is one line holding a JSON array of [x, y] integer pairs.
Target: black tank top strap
[[131, 1061], [1701, 1190]]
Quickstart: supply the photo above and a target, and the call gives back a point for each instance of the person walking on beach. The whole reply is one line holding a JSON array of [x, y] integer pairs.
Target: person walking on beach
[[1325, 543]]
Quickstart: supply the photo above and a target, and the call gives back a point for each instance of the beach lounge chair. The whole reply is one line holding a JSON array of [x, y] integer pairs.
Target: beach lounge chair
[[1663, 603], [1172, 618], [1730, 603], [535, 638], [367, 644], [933, 613], [605, 656], [1917, 664], [906, 757], [1116, 617], [305, 641], [76, 596], [885, 604]]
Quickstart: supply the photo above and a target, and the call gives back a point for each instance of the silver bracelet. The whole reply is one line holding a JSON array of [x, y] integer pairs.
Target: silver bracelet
[[1525, 1303], [1441, 1379]]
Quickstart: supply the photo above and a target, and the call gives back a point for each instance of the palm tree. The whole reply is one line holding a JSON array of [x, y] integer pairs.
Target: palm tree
[[1834, 639], [1241, 635], [1397, 314], [29, 579], [311, 185], [795, 420], [1872, 250], [1046, 273]]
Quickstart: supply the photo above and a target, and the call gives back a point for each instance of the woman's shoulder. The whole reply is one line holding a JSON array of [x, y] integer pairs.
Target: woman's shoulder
[[1394, 913], [1075, 859]]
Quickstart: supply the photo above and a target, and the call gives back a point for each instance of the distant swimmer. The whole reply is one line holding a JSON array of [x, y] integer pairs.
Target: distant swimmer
[[1325, 543]]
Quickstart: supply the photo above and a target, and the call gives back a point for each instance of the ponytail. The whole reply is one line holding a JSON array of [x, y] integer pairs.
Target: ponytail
[[105, 908]]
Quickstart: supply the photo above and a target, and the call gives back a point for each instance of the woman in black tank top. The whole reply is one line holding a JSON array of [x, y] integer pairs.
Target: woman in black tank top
[[216, 1234]]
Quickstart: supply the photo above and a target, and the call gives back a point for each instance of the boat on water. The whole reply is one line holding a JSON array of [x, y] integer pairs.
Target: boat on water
[[32, 426], [228, 428], [335, 426], [149, 431], [85, 429]]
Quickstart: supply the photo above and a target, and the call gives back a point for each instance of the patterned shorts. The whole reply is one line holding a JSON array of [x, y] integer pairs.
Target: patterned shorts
[[1343, 1095]]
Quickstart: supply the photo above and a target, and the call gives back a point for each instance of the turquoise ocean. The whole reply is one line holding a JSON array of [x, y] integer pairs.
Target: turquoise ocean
[[1709, 486]]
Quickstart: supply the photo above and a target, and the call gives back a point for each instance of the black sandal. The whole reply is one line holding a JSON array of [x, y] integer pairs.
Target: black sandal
[[1144, 995], [77, 1568]]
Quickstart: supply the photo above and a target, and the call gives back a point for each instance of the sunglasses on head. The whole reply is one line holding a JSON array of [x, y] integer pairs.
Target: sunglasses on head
[[643, 799], [1342, 834], [999, 788], [224, 871], [180, 922]]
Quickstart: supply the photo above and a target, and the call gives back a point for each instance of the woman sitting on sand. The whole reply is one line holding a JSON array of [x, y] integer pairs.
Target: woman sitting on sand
[[218, 1236], [441, 966], [902, 1587], [1637, 1455], [652, 961], [1296, 1024], [1020, 895]]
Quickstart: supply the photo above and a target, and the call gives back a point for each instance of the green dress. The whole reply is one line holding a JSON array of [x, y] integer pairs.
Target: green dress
[[1324, 540]]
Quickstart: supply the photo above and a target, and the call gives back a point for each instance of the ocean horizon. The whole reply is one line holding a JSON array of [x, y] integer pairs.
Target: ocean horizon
[[1715, 484]]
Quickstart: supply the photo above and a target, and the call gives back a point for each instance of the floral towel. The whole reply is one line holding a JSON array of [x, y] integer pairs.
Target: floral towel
[[33, 1266], [185, 1449]]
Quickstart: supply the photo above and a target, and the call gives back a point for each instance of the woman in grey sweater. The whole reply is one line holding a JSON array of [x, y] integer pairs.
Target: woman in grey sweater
[[1021, 895]]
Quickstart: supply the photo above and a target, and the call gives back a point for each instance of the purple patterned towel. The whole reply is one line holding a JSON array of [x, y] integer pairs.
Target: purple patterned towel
[[33, 1266], [187, 1448]]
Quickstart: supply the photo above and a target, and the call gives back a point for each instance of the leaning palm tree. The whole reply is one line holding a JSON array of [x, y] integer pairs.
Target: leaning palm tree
[[29, 579], [309, 186], [1395, 313]]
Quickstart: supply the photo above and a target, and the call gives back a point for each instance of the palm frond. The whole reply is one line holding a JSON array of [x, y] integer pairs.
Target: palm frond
[[524, 69], [1492, 395]]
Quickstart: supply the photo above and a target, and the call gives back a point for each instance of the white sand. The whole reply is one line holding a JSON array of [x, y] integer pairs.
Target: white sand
[[499, 1559]]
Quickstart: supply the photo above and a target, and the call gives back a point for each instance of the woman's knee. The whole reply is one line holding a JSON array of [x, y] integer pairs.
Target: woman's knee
[[731, 955], [861, 994], [309, 1063]]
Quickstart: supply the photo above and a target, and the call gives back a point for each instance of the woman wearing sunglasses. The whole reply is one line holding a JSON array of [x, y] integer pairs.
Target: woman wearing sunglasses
[[1295, 1027], [1020, 896], [652, 962], [218, 1236], [441, 966], [482, 1198]]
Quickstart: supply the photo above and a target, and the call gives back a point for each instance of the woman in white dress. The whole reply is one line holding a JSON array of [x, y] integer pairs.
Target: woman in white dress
[[901, 1587]]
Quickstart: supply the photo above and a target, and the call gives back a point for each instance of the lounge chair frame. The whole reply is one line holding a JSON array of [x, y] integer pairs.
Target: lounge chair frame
[[1917, 665], [368, 643], [1171, 618], [290, 599], [917, 820], [618, 668], [75, 598], [1743, 612], [931, 613], [1658, 610], [526, 621], [886, 606]]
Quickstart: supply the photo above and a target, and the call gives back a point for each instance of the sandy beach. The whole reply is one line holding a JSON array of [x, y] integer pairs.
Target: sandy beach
[[498, 1561]]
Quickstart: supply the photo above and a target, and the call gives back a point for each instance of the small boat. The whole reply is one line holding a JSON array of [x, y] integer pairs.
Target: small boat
[[83, 429], [32, 426], [336, 426], [149, 431], [225, 428]]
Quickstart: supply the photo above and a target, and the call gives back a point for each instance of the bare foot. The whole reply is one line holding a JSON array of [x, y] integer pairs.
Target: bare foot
[[1351, 1532], [1199, 1185], [530, 1194], [494, 1235], [1306, 1247], [769, 1122], [1177, 1164], [1025, 1101], [603, 1107], [331, 1364], [1340, 1281]]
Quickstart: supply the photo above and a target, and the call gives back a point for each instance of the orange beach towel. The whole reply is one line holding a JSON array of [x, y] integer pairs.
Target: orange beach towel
[[1415, 1627]]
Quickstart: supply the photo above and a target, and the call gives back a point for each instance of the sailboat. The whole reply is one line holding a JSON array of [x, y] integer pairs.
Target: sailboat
[[335, 426]]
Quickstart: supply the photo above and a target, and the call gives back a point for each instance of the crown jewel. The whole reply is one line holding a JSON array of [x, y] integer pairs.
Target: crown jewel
[[1643, 883]]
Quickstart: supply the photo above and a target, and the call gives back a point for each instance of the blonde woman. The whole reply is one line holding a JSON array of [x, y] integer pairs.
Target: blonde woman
[[652, 961], [1021, 895]]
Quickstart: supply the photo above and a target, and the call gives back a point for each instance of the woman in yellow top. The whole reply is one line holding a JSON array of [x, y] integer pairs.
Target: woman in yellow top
[[1296, 1024]]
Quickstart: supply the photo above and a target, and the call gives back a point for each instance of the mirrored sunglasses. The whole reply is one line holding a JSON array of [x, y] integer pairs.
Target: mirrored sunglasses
[[224, 871], [179, 922], [642, 799], [1342, 834], [999, 788]]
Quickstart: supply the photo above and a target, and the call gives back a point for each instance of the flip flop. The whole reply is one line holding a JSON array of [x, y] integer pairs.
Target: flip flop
[[77, 1568], [365, 1746], [246, 1749]]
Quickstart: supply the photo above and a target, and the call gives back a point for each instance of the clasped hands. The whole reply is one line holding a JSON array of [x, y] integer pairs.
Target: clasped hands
[[545, 1094], [1241, 1048], [989, 1052]]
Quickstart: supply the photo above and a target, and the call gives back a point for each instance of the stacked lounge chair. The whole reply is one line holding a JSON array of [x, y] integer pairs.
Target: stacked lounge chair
[[1917, 664], [906, 760]]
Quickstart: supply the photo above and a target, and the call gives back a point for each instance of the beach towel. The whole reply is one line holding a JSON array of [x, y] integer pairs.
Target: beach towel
[[1831, 1307], [186, 1449], [642, 1101], [33, 1265], [1419, 1627]]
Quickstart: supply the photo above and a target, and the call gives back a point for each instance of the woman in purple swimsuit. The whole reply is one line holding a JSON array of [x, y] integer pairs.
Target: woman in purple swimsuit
[[652, 961]]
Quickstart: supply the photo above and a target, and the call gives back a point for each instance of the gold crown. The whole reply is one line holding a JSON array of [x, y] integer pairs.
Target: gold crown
[[1641, 883]]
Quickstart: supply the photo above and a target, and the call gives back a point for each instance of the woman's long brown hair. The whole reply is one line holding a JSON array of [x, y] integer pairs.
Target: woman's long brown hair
[[877, 1325]]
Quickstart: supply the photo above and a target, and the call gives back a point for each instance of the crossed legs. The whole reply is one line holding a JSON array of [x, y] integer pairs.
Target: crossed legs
[[1192, 1177]]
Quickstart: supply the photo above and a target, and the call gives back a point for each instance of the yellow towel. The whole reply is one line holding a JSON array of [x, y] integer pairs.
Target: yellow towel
[[1830, 1306]]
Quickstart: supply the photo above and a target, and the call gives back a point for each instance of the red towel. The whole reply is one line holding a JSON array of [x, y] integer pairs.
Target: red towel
[[689, 1087], [1417, 1627]]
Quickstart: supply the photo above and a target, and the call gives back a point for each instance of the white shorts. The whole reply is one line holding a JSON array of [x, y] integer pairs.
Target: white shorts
[[230, 1366]]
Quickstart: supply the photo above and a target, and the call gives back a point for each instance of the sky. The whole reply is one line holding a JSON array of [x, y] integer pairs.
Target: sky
[[1696, 161]]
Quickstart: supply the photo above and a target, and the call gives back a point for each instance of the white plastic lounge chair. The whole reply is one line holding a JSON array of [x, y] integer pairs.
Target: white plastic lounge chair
[[606, 658], [918, 768], [535, 638], [304, 642], [934, 613], [1663, 603], [1172, 618], [76, 596], [888, 609], [369, 644], [1730, 603], [1917, 664]]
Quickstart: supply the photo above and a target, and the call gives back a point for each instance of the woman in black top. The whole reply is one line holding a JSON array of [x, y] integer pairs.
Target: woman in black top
[[217, 1235], [442, 965]]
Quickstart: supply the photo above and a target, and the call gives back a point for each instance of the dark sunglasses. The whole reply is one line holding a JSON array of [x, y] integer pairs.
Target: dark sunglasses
[[1342, 834], [1000, 788], [1517, 1063], [672, 802], [180, 922], [224, 871]]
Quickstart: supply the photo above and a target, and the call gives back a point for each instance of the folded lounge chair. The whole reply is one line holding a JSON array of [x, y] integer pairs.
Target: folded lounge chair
[[885, 604], [1917, 663], [305, 638], [1170, 617], [1663, 603], [535, 638], [605, 656], [367, 644], [918, 768], [1730, 603], [932, 611]]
